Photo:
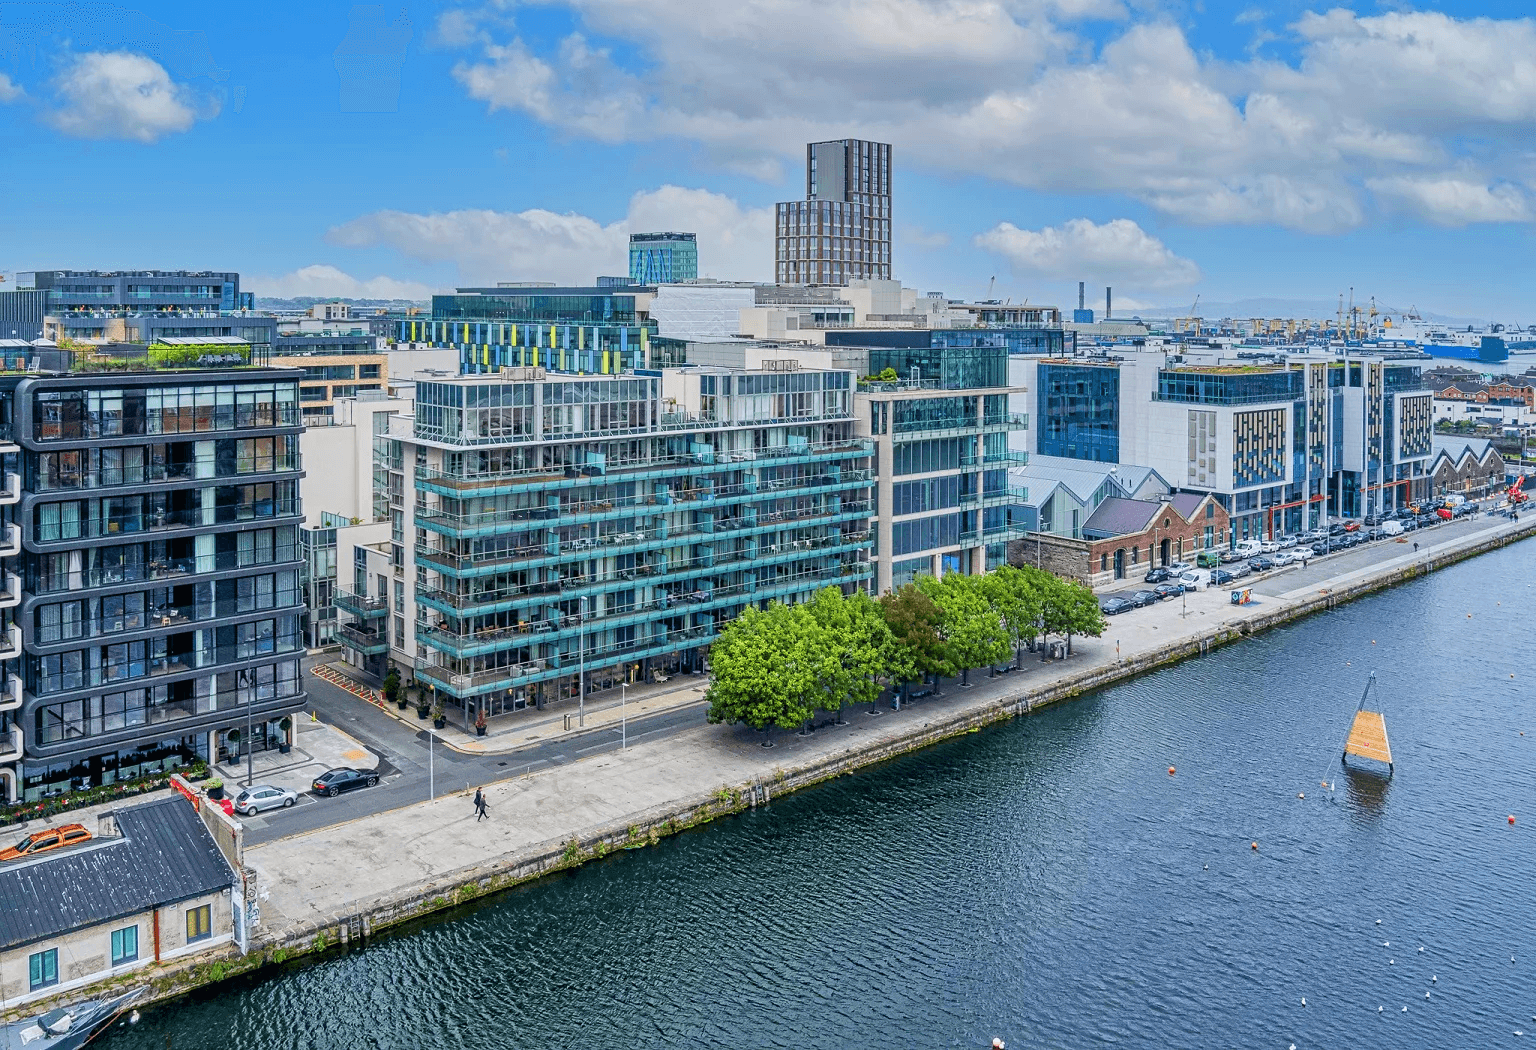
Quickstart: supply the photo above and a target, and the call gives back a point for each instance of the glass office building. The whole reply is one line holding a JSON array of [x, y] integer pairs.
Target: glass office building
[[663, 258], [1078, 409]]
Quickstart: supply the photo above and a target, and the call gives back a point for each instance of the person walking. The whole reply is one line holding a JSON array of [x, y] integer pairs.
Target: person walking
[[480, 806]]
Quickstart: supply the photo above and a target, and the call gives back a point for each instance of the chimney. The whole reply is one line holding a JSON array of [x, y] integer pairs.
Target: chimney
[[1108, 302], [1080, 294]]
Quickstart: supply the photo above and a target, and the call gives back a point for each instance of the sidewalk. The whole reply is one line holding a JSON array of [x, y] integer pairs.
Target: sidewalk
[[606, 709]]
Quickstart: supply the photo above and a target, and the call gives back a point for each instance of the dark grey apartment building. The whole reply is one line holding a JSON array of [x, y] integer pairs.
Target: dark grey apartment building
[[146, 306], [151, 514], [842, 230]]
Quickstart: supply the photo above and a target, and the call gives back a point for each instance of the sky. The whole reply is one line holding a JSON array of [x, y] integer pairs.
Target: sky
[[1170, 148]]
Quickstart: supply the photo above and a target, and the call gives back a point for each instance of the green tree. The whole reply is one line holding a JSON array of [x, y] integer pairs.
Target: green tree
[[914, 622], [973, 631], [867, 651], [1017, 599], [768, 668], [1070, 608]]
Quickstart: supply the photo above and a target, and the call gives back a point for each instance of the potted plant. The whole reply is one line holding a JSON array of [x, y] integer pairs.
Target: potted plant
[[283, 743], [439, 717], [232, 738], [215, 789], [196, 771], [480, 723], [392, 687], [423, 708]]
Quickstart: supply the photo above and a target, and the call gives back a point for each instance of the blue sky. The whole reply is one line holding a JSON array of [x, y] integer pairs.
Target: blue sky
[[1229, 150]]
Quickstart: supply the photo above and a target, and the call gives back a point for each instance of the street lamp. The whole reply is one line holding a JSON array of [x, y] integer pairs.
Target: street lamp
[[244, 680], [581, 663], [623, 715]]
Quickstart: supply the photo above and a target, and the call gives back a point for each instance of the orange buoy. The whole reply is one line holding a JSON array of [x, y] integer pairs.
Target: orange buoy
[[1253, 845], [1170, 771], [1511, 818]]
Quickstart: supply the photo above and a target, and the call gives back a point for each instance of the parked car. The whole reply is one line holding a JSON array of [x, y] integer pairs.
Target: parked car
[[1141, 598], [1269, 547], [1391, 527], [1221, 577], [1376, 532], [1372, 519], [1351, 526], [1286, 542], [1177, 567], [1409, 524], [1428, 520], [1194, 580], [1171, 589], [259, 797], [1283, 559], [1158, 575], [1263, 563], [1115, 605], [45, 840], [334, 781], [1240, 569], [1461, 510], [1208, 559], [1250, 548], [1323, 546], [1302, 553], [1230, 556]]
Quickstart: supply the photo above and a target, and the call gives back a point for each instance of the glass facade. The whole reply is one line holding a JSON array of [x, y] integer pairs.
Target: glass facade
[[487, 347], [1232, 385], [1079, 411], [663, 258]]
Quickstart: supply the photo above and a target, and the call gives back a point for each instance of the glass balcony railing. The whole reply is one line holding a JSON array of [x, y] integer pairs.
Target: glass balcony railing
[[368, 643], [362, 607]]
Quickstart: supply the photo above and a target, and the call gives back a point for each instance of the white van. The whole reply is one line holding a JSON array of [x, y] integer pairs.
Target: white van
[[1455, 501], [1249, 548], [1392, 527], [1195, 580]]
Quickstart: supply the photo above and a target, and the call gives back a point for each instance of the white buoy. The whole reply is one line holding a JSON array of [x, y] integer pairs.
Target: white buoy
[[1378, 922], [1391, 962], [998, 1044], [1303, 1000], [1405, 1009], [1432, 977], [133, 1018], [1386, 944]]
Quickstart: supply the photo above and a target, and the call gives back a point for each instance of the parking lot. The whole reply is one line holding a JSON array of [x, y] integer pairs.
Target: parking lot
[[1320, 568]]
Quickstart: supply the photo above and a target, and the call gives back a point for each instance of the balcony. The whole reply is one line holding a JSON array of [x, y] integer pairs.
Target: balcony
[[10, 541], [10, 695], [10, 642], [363, 608], [11, 493], [11, 745], [10, 595], [366, 642]]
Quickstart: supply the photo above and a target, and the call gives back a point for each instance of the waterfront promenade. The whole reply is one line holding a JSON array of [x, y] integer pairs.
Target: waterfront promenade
[[407, 861]]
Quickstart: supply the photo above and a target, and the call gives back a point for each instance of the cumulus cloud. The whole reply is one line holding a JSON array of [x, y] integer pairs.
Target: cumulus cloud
[[1453, 200], [327, 281], [1118, 252], [10, 91], [1008, 89], [122, 95], [487, 246]]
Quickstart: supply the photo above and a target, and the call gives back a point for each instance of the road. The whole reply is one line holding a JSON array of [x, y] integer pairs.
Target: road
[[409, 772]]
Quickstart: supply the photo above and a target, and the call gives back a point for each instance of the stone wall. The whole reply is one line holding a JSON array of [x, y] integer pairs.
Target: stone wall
[[1062, 555]]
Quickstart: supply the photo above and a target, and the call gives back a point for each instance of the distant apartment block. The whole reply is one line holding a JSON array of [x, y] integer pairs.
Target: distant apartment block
[[842, 229]]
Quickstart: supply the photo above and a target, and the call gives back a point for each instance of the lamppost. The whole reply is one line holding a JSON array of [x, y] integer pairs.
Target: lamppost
[[244, 680], [623, 715], [581, 663]]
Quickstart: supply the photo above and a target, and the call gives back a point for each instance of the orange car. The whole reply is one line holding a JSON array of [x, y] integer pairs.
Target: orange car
[[45, 840]]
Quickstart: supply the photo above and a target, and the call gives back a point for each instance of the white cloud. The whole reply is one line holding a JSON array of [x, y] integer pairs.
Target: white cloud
[[1451, 200], [1005, 89], [488, 246], [323, 281], [10, 91], [122, 95], [917, 237], [1115, 252]]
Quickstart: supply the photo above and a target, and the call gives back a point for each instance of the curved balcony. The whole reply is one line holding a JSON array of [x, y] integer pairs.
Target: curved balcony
[[11, 492], [10, 590], [10, 643], [12, 744], [10, 694], [10, 541]]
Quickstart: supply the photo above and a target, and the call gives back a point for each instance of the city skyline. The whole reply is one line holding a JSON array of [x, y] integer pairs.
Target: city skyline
[[1227, 153]]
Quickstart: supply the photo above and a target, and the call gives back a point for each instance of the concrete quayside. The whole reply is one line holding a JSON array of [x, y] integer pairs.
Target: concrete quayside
[[425, 858]]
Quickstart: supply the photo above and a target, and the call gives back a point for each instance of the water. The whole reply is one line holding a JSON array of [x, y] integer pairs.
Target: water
[[1046, 881]]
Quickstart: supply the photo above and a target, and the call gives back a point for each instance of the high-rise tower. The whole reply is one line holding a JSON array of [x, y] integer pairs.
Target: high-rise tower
[[842, 230]]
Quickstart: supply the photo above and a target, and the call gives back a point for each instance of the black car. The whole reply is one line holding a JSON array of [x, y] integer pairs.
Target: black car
[[1372, 519], [1171, 589], [1409, 524], [1221, 578], [1428, 520], [1116, 605], [1322, 547], [1158, 575], [1336, 529], [1141, 598], [1263, 563], [334, 781]]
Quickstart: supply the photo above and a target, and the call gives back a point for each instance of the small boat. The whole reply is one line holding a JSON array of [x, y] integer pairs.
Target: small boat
[[67, 1027]]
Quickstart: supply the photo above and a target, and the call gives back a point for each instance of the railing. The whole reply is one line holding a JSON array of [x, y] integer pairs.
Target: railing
[[10, 696], [10, 647], [10, 545], [367, 608], [366, 642], [98, 725], [12, 491], [12, 745], [84, 481], [994, 457], [159, 521], [11, 596]]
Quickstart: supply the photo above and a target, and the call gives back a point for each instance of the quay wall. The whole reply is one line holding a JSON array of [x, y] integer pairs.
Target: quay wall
[[409, 903]]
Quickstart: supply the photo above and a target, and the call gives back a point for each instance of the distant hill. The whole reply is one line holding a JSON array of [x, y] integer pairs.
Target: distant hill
[[304, 302], [1313, 309]]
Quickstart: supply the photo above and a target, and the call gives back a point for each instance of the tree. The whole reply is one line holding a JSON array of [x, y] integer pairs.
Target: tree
[[769, 667], [866, 649], [1016, 597], [914, 622], [973, 631], [1070, 608]]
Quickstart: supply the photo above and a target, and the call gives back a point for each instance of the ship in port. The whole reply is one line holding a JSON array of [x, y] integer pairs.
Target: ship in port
[[1488, 345]]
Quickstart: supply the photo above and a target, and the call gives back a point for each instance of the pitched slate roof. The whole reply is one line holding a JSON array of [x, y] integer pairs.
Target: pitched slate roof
[[165, 855], [1456, 446], [1081, 477], [1186, 503], [1120, 517]]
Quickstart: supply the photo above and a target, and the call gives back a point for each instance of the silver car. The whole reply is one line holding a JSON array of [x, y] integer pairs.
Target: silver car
[[259, 797]]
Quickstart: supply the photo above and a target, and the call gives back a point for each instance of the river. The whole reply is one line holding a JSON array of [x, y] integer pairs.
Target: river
[[1046, 881]]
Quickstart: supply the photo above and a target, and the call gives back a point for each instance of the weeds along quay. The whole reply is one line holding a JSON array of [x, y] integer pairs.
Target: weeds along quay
[[298, 940]]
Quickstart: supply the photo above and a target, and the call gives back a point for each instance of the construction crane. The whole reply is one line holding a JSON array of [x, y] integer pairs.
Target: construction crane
[[990, 286]]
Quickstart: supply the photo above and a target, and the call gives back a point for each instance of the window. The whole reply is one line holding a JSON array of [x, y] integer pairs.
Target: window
[[199, 923], [125, 945], [43, 968]]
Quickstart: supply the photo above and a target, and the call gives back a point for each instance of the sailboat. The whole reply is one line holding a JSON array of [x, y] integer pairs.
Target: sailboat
[[1368, 733], [66, 1028]]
